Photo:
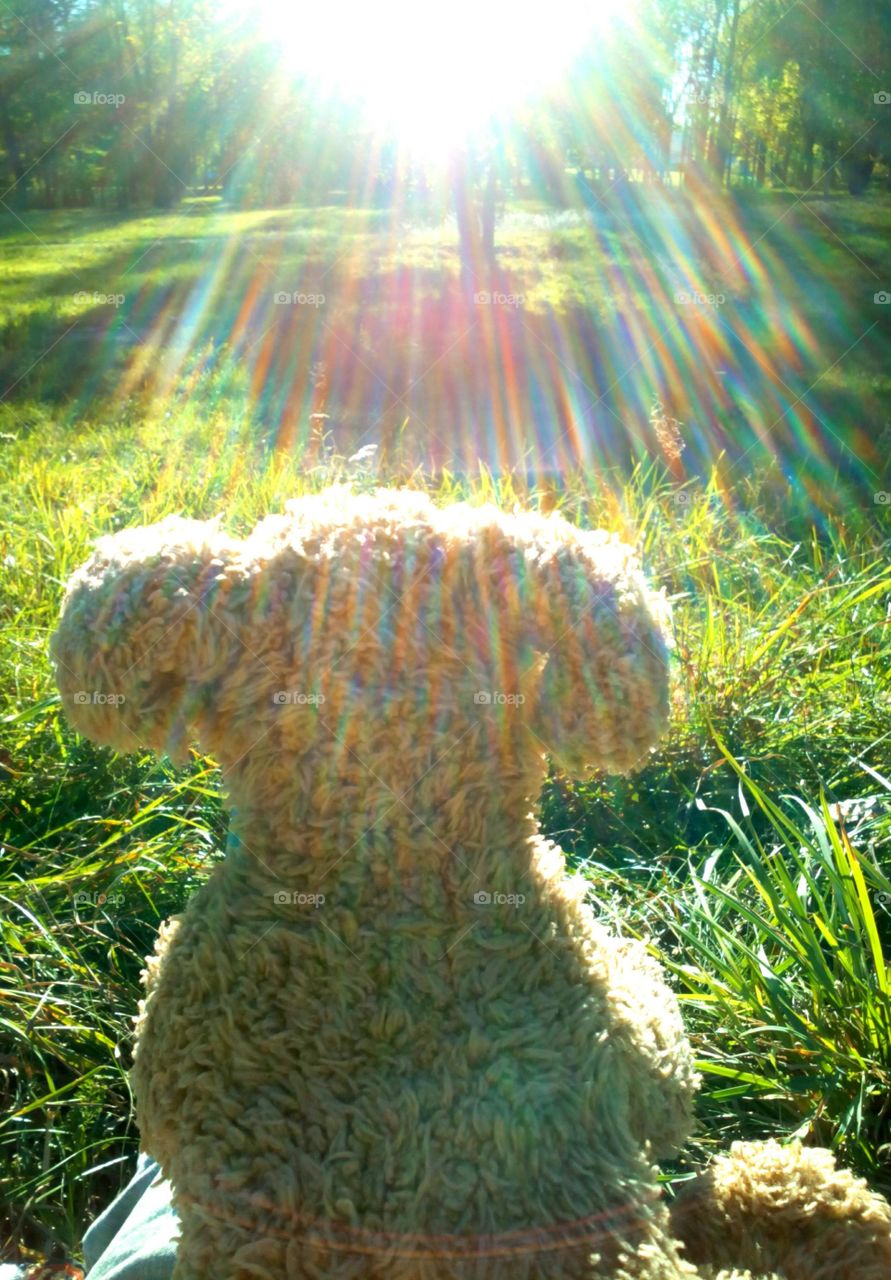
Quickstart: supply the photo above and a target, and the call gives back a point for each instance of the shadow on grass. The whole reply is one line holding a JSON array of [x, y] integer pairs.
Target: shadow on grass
[[368, 350]]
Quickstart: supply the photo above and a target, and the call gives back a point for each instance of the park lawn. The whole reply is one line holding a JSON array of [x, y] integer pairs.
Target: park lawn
[[752, 321], [728, 852]]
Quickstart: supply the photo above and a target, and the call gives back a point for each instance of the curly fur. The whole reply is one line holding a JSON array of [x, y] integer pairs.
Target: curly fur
[[387, 1038], [787, 1208]]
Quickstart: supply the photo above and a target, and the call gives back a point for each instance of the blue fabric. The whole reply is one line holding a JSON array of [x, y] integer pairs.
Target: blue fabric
[[135, 1237]]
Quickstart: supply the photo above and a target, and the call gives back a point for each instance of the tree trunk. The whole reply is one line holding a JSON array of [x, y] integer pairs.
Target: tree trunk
[[827, 176], [487, 214], [807, 176], [475, 214], [723, 152], [461, 181], [19, 194]]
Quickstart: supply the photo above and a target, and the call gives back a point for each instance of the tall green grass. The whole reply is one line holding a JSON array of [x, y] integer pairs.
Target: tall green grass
[[769, 904], [778, 941]]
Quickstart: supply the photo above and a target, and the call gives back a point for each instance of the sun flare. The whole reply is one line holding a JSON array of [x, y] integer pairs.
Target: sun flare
[[432, 75]]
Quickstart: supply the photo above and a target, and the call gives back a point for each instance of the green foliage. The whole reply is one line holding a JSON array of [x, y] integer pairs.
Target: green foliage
[[127, 105]]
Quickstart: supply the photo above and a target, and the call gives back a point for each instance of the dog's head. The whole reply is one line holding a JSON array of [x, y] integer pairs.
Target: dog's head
[[359, 635]]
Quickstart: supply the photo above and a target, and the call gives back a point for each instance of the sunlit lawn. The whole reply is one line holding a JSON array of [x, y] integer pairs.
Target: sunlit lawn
[[195, 395], [752, 321]]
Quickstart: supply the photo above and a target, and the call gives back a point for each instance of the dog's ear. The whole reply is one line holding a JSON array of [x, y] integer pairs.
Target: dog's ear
[[602, 695], [136, 642]]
